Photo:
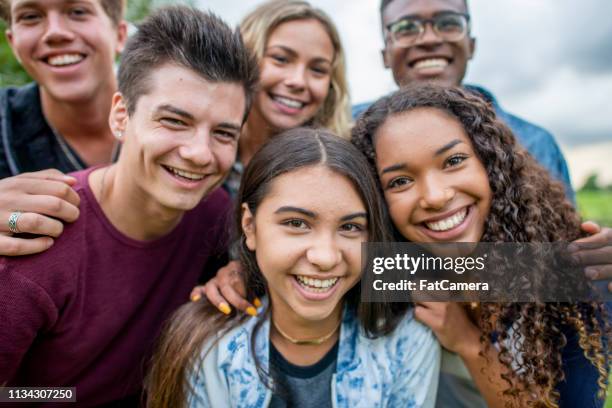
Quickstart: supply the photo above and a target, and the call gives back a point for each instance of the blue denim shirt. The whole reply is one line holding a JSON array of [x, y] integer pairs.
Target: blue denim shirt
[[538, 141], [397, 370]]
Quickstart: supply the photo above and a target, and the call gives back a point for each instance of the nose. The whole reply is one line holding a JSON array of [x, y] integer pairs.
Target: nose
[[324, 252], [435, 194], [57, 29], [198, 150], [296, 77], [428, 36]]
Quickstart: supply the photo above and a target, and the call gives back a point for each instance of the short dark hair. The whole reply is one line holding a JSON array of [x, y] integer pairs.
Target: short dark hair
[[190, 38], [385, 3], [114, 9]]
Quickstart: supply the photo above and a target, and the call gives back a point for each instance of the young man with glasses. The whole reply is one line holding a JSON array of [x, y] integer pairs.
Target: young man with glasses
[[429, 40]]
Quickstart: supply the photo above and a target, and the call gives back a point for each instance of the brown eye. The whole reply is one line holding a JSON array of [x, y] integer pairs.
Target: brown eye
[[455, 160], [398, 182]]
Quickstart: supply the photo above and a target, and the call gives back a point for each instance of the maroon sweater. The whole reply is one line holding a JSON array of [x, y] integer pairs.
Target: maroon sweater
[[86, 312]]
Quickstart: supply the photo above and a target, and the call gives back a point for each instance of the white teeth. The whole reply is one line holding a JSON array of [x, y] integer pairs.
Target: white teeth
[[316, 285], [289, 102], [431, 63], [65, 59], [186, 174], [448, 223]]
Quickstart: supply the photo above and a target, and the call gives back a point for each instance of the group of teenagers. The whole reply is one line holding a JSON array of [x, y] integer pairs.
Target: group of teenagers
[[238, 165]]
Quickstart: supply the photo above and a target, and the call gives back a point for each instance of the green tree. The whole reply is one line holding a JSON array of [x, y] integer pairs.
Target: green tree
[[591, 183]]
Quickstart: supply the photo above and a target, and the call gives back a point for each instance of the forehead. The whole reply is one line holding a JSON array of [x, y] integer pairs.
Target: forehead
[[316, 188], [15, 4], [184, 88], [421, 8], [305, 36], [412, 133]]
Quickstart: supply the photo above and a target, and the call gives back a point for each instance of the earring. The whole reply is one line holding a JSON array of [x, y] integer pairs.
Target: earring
[[118, 134]]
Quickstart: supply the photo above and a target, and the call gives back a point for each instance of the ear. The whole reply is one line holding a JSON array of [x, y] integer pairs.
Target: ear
[[9, 38], [248, 227], [122, 35], [386, 58], [118, 117], [472, 47]]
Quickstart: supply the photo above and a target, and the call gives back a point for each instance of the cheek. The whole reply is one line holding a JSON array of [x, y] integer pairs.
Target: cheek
[[320, 89], [269, 75]]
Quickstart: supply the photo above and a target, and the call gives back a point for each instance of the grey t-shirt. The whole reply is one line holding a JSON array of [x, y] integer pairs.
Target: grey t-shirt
[[302, 386]]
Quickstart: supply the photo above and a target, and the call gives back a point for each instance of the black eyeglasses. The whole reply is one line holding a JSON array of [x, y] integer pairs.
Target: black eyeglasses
[[448, 26]]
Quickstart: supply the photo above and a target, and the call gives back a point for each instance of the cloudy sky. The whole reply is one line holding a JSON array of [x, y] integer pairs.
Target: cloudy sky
[[549, 61]]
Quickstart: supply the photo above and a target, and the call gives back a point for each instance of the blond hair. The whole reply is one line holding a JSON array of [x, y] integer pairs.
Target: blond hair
[[256, 28]]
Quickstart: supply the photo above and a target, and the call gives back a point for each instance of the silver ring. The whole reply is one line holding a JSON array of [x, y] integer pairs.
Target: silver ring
[[12, 222]]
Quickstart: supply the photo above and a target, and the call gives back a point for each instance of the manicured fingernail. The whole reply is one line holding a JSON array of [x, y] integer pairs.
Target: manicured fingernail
[[591, 272], [196, 297], [251, 311], [224, 308], [257, 302]]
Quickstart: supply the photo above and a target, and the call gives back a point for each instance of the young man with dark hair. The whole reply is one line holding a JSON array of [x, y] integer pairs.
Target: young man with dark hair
[[85, 313], [60, 121]]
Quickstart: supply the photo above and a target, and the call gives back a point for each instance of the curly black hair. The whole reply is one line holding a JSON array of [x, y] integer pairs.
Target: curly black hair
[[527, 206]]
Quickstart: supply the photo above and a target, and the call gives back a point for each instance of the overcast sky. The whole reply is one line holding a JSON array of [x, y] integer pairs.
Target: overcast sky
[[549, 61]]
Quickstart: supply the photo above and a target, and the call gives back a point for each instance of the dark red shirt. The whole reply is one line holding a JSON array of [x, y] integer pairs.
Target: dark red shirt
[[86, 312]]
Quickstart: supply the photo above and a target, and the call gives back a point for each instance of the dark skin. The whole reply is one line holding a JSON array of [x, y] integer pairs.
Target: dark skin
[[403, 61], [596, 253]]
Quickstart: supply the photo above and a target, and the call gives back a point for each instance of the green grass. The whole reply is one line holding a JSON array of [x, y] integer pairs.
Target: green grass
[[596, 206]]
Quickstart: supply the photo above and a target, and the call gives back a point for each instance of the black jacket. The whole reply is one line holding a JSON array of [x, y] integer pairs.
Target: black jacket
[[27, 143]]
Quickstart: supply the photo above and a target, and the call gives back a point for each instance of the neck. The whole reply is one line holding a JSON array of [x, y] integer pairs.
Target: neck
[[130, 209], [299, 328], [255, 134], [83, 124]]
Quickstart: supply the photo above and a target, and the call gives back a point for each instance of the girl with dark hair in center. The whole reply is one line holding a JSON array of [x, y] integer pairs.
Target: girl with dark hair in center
[[306, 203]]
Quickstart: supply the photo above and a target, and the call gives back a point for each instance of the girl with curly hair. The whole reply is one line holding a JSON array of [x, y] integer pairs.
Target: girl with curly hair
[[451, 172]]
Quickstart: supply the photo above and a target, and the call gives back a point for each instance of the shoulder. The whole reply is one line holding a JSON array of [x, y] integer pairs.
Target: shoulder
[[359, 108], [226, 373], [409, 341], [56, 268], [17, 98]]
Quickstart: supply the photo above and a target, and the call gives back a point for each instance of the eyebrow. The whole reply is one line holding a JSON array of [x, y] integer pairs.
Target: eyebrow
[[311, 214], [175, 110], [292, 52], [447, 146], [187, 115], [399, 166], [354, 215], [288, 208]]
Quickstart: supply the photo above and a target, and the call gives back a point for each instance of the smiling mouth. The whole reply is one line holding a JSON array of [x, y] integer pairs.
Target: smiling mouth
[[448, 223], [64, 60], [183, 174], [316, 285], [288, 102], [430, 63]]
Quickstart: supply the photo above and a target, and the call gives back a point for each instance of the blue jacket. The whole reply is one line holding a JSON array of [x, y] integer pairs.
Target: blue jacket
[[398, 370], [538, 141]]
